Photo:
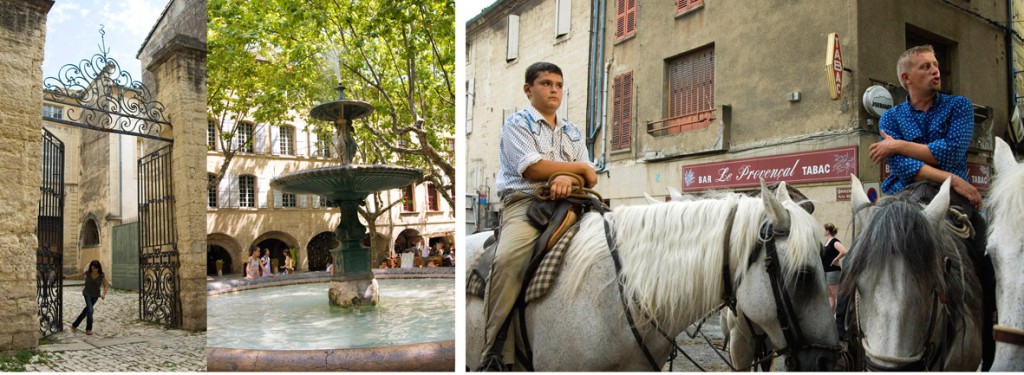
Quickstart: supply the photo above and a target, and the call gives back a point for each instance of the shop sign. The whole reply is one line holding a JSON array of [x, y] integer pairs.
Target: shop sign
[[842, 194], [815, 166], [834, 64]]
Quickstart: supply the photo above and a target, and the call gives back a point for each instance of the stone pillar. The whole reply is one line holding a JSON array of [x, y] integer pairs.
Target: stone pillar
[[22, 36], [174, 63]]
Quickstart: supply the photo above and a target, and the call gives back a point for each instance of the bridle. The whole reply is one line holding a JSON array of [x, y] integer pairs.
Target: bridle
[[795, 339], [931, 352]]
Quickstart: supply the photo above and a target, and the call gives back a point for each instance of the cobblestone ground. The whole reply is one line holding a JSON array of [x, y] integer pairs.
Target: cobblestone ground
[[699, 350], [120, 342]]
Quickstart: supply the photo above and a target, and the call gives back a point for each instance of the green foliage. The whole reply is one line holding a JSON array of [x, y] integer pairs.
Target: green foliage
[[21, 358]]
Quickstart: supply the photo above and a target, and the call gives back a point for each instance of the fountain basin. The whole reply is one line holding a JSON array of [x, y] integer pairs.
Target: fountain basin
[[341, 109], [346, 182]]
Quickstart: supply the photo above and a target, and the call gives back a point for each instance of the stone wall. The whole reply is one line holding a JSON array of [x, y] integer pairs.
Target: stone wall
[[22, 35], [95, 193], [174, 63]]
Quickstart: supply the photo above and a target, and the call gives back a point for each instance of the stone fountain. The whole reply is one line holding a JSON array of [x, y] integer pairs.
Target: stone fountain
[[346, 186]]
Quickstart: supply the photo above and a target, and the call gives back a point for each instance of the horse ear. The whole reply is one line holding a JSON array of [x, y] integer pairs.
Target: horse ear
[[675, 194], [857, 195], [1003, 160], [782, 193], [777, 214], [939, 205], [650, 199]]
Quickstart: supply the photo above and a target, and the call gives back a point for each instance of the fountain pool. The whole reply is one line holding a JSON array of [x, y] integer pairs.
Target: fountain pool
[[295, 317]]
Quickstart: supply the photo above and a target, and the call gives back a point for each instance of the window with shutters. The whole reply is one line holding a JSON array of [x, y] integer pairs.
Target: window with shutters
[[408, 199], [691, 93], [432, 198], [625, 19], [563, 15], [244, 138], [247, 191], [286, 140], [51, 112], [288, 200], [512, 49], [684, 6], [211, 192], [622, 111]]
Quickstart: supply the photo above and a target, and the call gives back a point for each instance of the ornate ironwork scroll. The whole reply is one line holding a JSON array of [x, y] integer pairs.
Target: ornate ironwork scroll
[[97, 94], [159, 260], [50, 232]]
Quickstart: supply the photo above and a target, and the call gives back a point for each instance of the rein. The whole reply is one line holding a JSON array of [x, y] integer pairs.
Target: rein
[[1008, 335]]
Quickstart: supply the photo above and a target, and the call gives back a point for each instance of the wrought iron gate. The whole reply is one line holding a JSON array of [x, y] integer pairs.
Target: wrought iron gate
[[50, 232], [159, 301]]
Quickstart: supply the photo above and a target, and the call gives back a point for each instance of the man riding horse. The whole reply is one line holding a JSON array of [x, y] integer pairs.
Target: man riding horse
[[924, 141], [535, 145]]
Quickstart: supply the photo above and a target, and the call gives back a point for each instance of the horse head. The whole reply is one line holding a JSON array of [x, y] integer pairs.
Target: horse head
[[1006, 248], [905, 277], [781, 296]]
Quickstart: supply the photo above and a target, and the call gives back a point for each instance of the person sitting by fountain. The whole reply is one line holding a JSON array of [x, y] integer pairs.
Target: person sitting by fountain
[[525, 166], [265, 263], [252, 265], [289, 263], [330, 264]]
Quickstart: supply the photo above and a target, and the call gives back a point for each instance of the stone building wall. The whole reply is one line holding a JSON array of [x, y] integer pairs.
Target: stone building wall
[[22, 35], [95, 193], [174, 63]]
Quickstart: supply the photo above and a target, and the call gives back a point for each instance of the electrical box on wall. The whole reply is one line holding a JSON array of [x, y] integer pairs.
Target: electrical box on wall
[[793, 97]]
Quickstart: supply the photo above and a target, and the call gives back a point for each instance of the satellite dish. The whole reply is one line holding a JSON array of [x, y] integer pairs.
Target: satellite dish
[[877, 100]]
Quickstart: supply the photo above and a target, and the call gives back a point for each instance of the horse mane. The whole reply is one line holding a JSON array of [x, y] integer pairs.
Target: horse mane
[[672, 253], [1006, 197], [900, 229]]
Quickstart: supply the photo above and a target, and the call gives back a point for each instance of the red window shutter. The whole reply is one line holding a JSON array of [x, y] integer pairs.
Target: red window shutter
[[620, 19], [630, 17], [691, 83], [626, 123], [616, 113], [684, 5]]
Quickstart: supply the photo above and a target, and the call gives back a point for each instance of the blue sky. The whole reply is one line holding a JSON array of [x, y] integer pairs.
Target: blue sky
[[72, 31]]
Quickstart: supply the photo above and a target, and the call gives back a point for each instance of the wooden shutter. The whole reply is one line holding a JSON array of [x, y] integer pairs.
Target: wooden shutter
[[684, 5], [616, 112], [512, 51], [563, 13], [630, 17], [278, 198], [622, 111], [620, 19]]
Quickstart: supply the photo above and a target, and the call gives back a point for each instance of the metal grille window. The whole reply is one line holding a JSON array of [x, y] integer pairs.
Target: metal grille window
[[211, 135], [246, 191], [432, 197], [625, 19], [211, 192], [622, 111], [408, 199], [286, 142], [682, 6], [52, 112], [288, 200], [244, 137]]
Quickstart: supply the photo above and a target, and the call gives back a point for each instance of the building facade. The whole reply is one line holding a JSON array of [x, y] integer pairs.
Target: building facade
[[244, 211], [709, 95]]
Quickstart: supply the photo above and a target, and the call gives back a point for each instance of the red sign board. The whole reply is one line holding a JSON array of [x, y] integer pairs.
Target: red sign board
[[815, 166], [834, 61], [979, 175]]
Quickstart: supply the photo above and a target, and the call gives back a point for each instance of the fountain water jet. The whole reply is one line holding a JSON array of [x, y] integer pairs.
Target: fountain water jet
[[346, 186]]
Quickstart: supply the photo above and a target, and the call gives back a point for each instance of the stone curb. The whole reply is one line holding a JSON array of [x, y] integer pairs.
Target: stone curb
[[431, 356]]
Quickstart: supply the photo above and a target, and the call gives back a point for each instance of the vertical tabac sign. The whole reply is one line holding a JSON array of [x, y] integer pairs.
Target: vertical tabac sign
[[834, 63]]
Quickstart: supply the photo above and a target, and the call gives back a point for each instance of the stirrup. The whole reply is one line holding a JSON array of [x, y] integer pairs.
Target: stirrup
[[492, 362]]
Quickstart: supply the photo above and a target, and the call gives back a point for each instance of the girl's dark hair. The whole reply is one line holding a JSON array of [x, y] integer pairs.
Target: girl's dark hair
[[96, 263], [831, 229], [536, 68]]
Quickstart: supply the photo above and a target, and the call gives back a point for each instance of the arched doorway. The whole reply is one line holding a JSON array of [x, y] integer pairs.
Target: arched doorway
[[406, 240], [277, 249], [213, 254], [319, 250]]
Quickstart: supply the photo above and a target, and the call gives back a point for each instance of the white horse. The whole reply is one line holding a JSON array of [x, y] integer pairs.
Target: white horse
[[673, 256], [913, 288], [1006, 248]]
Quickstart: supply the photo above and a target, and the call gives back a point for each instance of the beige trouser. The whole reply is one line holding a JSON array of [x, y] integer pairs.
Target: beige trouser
[[515, 245]]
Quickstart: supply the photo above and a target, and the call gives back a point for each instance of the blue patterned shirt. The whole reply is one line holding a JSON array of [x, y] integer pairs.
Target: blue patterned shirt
[[526, 138], [947, 128]]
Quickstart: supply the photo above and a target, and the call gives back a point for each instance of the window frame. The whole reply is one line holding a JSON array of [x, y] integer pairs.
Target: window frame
[[432, 198], [251, 197], [409, 198], [243, 138], [624, 13], [286, 146], [48, 110], [212, 195]]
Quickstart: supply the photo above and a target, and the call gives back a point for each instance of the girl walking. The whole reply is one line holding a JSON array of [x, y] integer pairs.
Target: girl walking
[[94, 278]]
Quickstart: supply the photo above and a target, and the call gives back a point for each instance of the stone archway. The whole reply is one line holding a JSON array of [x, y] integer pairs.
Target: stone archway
[[319, 250], [277, 242], [406, 239], [215, 253], [234, 251]]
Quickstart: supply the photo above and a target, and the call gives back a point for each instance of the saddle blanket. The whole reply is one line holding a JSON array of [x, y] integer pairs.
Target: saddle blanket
[[538, 285]]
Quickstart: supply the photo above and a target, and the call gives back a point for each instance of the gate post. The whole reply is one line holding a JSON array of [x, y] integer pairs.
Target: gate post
[[174, 65], [22, 35]]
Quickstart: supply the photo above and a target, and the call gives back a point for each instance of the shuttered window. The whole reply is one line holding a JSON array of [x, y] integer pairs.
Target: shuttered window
[[247, 191], [432, 198], [286, 140], [563, 14], [512, 49], [408, 199], [211, 192], [244, 137], [692, 83], [211, 135], [684, 5], [622, 111], [625, 18]]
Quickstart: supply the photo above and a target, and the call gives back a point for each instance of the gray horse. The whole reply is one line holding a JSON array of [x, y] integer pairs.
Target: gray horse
[[673, 256]]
